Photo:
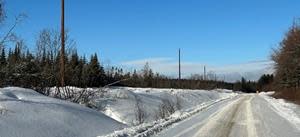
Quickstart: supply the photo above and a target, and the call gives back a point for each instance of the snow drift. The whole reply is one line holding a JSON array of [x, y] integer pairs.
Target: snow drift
[[287, 110], [191, 102], [24, 112], [120, 103]]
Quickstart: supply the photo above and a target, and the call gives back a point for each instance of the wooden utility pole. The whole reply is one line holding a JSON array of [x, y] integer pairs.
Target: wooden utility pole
[[204, 73], [179, 65], [62, 54]]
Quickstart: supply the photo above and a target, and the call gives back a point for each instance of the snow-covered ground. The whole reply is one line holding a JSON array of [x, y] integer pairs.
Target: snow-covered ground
[[249, 115], [286, 109], [26, 113], [122, 106], [121, 102], [148, 129]]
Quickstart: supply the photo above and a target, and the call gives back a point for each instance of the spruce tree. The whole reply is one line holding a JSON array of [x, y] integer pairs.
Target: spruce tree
[[93, 72], [2, 58], [2, 67], [74, 70]]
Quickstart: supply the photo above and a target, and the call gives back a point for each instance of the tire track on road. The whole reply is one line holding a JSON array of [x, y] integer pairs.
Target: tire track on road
[[189, 129], [250, 119], [221, 124]]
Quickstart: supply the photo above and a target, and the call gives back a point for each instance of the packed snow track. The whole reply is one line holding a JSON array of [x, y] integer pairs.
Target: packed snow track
[[243, 116]]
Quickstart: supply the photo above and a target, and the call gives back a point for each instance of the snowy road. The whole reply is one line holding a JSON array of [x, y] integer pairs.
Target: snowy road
[[242, 116]]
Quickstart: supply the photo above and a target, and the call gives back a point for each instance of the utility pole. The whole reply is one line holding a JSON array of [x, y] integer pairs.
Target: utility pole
[[204, 73], [179, 65], [62, 54], [216, 77]]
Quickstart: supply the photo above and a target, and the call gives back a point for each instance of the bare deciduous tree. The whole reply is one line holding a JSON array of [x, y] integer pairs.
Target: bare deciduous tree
[[166, 108], [9, 35], [140, 113]]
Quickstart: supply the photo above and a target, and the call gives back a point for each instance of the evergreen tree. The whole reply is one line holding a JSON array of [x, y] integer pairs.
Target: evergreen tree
[[94, 72], [264, 82], [2, 66], [287, 59], [74, 70], [2, 58]]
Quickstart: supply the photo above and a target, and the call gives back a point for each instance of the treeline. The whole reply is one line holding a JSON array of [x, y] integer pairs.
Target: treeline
[[287, 65], [40, 68], [264, 83], [146, 78], [20, 67]]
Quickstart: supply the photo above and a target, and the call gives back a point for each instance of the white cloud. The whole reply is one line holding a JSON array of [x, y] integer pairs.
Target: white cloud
[[142, 62], [168, 66]]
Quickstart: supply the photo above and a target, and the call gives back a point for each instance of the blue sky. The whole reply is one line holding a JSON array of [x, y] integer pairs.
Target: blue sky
[[212, 32]]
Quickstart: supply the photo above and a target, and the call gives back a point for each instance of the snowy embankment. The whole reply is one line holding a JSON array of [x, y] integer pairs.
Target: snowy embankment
[[287, 110], [26, 113], [121, 104], [119, 111]]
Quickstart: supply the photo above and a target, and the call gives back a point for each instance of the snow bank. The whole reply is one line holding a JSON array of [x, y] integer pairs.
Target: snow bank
[[148, 129], [120, 102], [287, 110], [24, 112]]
